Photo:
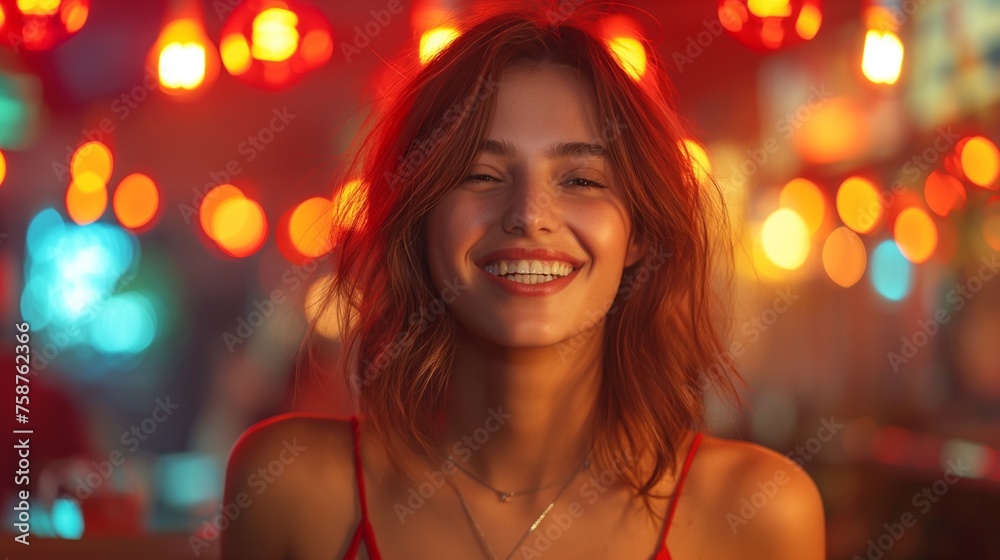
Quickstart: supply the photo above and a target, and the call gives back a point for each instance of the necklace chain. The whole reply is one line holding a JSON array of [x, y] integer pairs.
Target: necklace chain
[[479, 532], [502, 495]]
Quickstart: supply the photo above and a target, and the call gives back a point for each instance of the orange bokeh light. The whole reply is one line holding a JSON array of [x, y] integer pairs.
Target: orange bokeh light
[[136, 200]]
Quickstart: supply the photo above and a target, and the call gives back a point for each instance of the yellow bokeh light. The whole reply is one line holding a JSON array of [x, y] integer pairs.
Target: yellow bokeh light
[[38, 7], [915, 235], [858, 204], [807, 200], [434, 41], [85, 207], [92, 157], [182, 65], [699, 159], [136, 200], [349, 205], [770, 8], [807, 25], [275, 37], [980, 161], [235, 53], [631, 55], [785, 238], [240, 226], [213, 199], [309, 226], [882, 60], [844, 257], [3, 167]]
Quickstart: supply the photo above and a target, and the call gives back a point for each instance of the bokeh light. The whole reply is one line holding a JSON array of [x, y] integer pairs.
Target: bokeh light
[[915, 234], [240, 226], [210, 204], [944, 194], [136, 200], [807, 200], [844, 257], [980, 160], [125, 324], [86, 199], [858, 204], [92, 157], [785, 238], [890, 272], [882, 60], [631, 55], [310, 227], [699, 159], [434, 41]]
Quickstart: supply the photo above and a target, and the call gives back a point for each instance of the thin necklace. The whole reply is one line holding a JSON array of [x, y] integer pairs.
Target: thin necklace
[[479, 532], [502, 495]]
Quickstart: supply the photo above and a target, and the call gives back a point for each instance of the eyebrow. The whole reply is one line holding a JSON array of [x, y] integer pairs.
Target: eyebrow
[[507, 149]]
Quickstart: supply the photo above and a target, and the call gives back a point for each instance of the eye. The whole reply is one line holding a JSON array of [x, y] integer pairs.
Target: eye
[[480, 178], [580, 182]]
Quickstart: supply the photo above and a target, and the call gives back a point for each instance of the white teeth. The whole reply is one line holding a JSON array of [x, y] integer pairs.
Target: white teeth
[[527, 268]]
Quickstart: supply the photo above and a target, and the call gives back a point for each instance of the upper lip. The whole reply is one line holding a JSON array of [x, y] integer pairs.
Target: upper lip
[[528, 254]]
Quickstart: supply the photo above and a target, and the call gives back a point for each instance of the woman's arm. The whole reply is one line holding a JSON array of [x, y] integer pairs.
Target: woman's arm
[[289, 490], [776, 512]]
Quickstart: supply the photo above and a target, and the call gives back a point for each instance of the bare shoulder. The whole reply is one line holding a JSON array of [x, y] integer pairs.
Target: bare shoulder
[[283, 475], [764, 503]]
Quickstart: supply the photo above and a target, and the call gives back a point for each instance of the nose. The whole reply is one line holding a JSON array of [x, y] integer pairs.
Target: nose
[[531, 207]]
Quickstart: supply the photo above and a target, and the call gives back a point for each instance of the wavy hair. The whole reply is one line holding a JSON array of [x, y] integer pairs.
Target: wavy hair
[[663, 346]]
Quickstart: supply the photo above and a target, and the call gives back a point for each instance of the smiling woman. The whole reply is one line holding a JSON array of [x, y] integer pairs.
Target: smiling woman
[[539, 196]]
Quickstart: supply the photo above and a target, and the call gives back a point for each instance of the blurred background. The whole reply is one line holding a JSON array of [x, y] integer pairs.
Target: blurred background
[[166, 166]]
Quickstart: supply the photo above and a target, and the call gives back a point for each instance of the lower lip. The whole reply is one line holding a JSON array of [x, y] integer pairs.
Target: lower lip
[[519, 289]]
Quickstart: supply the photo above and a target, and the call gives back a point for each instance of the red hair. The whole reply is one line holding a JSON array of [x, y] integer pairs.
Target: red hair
[[662, 346]]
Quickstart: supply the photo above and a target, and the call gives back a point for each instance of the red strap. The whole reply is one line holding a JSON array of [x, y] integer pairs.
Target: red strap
[[364, 530], [680, 484]]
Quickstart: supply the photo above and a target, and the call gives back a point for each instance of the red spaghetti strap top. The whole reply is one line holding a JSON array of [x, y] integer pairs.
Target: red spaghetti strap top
[[365, 533], [664, 554]]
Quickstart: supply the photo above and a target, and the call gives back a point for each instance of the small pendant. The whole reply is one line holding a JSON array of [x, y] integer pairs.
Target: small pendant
[[504, 496]]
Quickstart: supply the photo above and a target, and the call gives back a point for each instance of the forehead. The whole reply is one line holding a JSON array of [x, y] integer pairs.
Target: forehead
[[539, 106]]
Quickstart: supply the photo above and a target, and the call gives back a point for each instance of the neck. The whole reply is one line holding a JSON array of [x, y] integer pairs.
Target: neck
[[521, 418]]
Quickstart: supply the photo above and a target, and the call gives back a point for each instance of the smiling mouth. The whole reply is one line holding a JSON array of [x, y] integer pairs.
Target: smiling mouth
[[529, 272]]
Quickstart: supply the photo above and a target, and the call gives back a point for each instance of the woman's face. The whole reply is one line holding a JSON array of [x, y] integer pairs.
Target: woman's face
[[523, 192]]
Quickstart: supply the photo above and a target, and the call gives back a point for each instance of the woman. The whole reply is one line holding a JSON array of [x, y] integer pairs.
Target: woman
[[530, 333]]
